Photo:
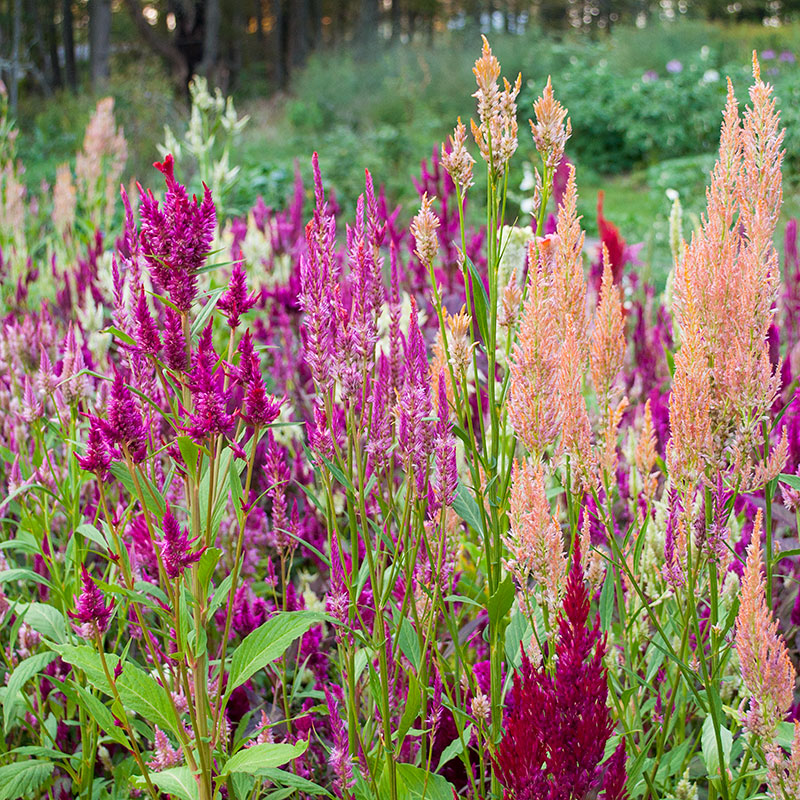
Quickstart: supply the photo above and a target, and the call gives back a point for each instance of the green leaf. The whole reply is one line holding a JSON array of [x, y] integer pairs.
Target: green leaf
[[25, 670], [708, 745], [607, 596], [263, 756], [205, 568], [19, 574], [409, 642], [410, 709], [414, 783], [455, 748], [267, 643], [283, 778], [45, 619], [790, 480], [501, 601], [465, 506], [138, 690], [178, 781], [101, 715], [93, 535], [22, 778], [481, 301], [189, 452]]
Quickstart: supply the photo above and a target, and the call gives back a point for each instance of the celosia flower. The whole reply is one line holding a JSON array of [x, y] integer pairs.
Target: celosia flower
[[457, 160], [145, 330], [725, 294], [767, 670], [534, 541], [124, 425], [176, 547], [550, 134], [98, 457], [176, 236], [210, 416], [556, 728], [165, 755], [496, 136], [235, 301], [446, 480], [423, 229], [175, 355], [90, 610], [339, 758]]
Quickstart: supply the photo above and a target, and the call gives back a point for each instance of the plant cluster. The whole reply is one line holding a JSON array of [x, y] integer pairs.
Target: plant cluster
[[424, 511]]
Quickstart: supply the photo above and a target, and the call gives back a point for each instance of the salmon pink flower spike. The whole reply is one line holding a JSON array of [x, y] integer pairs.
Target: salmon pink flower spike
[[90, 611], [423, 229], [550, 134], [457, 160], [176, 547], [726, 284], [767, 670], [534, 364], [176, 237], [496, 136], [164, 754], [235, 301]]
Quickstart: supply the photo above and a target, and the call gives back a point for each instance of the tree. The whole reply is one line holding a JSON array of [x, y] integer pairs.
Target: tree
[[99, 41]]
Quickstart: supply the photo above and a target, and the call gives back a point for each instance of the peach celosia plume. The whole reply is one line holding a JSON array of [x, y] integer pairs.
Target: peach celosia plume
[[767, 671], [534, 541], [726, 286]]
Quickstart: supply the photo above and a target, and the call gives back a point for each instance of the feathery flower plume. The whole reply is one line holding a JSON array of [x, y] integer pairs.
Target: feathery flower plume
[[457, 160], [176, 547], [534, 540], [98, 457], [164, 754], [176, 236], [533, 410], [210, 417], [446, 480], [175, 355], [235, 301], [339, 758], [767, 671], [550, 134], [90, 610], [496, 136], [608, 336], [124, 425], [423, 229], [556, 728], [691, 440], [145, 330], [646, 455], [726, 285], [569, 282]]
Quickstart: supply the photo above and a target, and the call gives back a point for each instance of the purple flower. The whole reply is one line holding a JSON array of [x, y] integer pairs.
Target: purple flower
[[210, 416], [674, 66], [144, 327], [556, 728], [176, 237], [90, 609], [260, 408], [767, 55], [176, 547], [787, 57], [98, 457], [124, 425], [174, 341], [650, 76], [235, 301]]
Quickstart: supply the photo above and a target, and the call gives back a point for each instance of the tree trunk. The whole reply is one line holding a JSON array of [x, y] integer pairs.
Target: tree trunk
[[211, 25], [300, 25], [99, 42], [52, 44], [68, 40], [281, 11], [157, 43], [16, 37]]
